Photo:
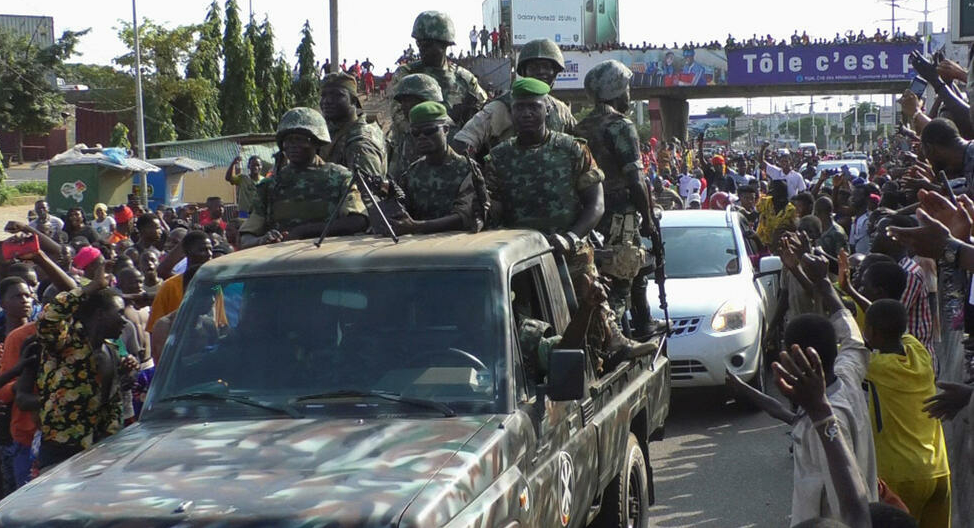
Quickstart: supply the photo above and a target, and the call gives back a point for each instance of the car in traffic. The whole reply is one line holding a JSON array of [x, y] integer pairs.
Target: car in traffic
[[720, 300], [854, 167]]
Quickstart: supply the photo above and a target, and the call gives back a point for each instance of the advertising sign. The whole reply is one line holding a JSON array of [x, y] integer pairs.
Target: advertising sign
[[714, 128], [558, 20], [655, 67], [820, 64], [743, 123]]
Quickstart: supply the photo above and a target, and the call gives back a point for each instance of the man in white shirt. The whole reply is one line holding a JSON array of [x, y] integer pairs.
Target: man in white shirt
[[794, 180], [53, 223], [474, 34], [859, 239], [688, 187]]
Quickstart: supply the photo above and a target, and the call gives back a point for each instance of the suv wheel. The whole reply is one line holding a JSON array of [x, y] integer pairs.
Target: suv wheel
[[624, 502]]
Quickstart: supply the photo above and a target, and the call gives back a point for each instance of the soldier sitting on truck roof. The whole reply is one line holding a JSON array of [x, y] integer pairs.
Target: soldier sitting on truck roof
[[298, 202], [438, 188], [548, 181]]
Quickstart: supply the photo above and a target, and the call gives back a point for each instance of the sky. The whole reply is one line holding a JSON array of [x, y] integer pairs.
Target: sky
[[380, 29]]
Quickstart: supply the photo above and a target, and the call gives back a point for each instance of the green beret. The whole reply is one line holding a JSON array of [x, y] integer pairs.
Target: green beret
[[427, 112], [529, 87]]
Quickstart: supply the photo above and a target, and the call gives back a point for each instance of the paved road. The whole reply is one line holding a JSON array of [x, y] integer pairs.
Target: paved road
[[25, 173], [721, 465]]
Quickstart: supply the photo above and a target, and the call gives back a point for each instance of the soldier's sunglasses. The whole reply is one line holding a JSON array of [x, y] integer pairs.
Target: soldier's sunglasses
[[425, 131]]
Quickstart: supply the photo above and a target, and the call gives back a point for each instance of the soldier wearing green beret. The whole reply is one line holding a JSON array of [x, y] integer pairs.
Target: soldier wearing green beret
[[357, 144], [302, 196], [539, 59], [434, 32], [439, 193], [414, 89], [546, 180], [615, 144]]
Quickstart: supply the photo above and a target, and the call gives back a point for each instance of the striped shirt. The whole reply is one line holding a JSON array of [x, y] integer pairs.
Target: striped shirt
[[916, 301]]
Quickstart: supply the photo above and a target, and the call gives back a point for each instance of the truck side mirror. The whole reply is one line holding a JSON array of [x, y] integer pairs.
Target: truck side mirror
[[566, 375]]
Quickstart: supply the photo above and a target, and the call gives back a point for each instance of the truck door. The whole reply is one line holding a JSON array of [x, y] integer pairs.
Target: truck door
[[561, 464]]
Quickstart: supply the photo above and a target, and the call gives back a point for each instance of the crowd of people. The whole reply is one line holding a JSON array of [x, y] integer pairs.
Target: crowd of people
[[876, 288]]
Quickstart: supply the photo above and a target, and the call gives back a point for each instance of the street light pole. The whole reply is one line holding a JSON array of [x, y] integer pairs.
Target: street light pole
[[334, 37], [140, 138]]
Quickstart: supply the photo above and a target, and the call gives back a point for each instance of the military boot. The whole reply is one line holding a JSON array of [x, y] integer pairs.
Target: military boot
[[644, 325], [622, 349]]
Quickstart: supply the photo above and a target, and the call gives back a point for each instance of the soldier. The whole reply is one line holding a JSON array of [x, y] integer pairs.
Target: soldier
[[613, 140], [438, 188], [412, 90], [540, 59], [299, 200], [357, 144], [546, 180], [434, 33]]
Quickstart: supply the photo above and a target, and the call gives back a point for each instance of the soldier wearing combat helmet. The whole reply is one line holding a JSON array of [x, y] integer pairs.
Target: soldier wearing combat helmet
[[413, 90], [545, 180], [299, 200], [461, 93], [615, 144], [357, 144], [539, 59]]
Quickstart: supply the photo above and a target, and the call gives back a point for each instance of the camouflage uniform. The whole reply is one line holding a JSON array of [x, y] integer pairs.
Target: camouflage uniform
[[359, 146], [296, 196], [538, 188], [613, 140], [435, 191], [401, 148], [492, 125], [536, 339], [461, 92]]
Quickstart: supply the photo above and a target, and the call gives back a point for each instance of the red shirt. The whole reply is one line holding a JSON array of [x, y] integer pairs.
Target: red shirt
[[204, 217], [22, 425], [494, 36]]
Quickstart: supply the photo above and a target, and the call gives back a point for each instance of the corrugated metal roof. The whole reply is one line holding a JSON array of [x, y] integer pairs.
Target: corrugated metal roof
[[221, 151], [40, 28], [180, 163]]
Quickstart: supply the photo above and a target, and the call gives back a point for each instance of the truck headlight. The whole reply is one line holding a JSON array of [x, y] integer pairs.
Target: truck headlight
[[731, 316]]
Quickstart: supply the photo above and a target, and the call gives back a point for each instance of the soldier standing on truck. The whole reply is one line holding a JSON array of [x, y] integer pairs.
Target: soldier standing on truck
[[613, 140], [540, 59], [357, 144], [548, 181], [434, 32], [439, 194], [297, 202], [414, 89]]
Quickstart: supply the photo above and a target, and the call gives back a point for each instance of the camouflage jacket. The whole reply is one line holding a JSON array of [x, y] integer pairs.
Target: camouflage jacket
[[615, 144], [460, 89], [401, 147], [538, 187], [358, 145], [492, 124], [295, 196], [436, 191]]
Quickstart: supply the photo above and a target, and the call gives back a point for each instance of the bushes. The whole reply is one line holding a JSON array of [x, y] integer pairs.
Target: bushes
[[28, 188]]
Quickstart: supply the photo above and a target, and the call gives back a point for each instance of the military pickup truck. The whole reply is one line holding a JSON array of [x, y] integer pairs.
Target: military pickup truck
[[370, 384]]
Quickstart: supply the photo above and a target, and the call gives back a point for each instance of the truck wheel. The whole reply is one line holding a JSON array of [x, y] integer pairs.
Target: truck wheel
[[624, 502]]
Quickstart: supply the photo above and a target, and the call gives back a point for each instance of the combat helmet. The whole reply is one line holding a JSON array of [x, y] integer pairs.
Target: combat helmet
[[421, 85], [306, 120], [540, 49], [434, 25], [607, 80]]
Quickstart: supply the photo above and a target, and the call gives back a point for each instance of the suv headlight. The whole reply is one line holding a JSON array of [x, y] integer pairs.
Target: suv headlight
[[731, 316]]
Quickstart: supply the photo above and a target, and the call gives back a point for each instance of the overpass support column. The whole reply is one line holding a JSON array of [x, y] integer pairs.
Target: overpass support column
[[668, 118]]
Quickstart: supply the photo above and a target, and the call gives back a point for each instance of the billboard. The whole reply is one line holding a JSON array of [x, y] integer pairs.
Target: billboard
[[559, 20], [820, 64], [655, 67]]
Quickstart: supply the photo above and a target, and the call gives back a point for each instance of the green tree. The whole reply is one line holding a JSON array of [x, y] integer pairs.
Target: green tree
[[239, 104], [283, 80], [802, 129], [265, 82], [120, 137], [29, 101], [306, 89], [730, 112], [201, 117]]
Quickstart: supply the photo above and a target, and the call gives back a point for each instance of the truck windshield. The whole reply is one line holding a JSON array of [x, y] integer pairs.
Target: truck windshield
[[700, 252], [325, 341]]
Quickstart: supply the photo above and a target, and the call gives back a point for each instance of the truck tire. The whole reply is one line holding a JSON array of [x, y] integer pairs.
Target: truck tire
[[624, 502]]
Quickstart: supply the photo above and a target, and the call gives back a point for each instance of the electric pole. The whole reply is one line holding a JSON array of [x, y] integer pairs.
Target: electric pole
[[334, 37], [140, 138]]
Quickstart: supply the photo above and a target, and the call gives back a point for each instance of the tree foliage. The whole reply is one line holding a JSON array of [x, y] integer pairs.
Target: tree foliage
[[120, 137], [239, 104], [264, 42], [306, 89], [201, 117], [30, 103], [283, 78]]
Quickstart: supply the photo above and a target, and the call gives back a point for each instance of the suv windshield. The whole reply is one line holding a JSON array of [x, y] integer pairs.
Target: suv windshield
[[700, 252], [329, 342]]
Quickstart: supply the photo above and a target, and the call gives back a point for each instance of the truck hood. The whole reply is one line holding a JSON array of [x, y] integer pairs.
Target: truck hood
[[348, 473], [701, 296]]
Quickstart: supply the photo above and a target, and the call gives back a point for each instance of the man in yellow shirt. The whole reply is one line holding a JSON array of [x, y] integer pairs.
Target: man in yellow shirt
[[197, 247], [775, 214], [910, 446]]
